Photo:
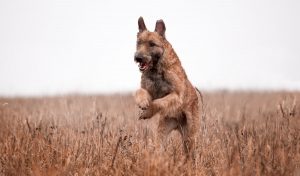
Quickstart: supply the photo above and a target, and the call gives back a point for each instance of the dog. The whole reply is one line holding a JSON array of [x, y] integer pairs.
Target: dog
[[165, 90]]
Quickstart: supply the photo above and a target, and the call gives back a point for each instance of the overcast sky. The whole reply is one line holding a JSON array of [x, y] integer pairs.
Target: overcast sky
[[49, 47]]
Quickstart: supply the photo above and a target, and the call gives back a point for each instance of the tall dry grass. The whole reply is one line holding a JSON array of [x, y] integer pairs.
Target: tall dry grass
[[242, 133]]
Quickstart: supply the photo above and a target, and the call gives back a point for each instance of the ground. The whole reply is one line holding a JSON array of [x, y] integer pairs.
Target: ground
[[242, 133]]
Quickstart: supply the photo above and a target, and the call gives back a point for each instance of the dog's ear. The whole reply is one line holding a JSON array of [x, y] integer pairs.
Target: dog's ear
[[142, 25], [160, 27]]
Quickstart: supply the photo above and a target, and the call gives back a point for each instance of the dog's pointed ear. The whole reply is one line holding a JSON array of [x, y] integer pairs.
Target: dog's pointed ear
[[142, 25], [160, 27]]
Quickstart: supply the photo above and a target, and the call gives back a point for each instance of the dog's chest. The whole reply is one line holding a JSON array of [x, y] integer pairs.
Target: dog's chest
[[156, 85]]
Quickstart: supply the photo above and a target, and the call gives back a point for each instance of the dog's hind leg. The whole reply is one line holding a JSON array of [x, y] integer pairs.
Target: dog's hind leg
[[188, 126], [165, 126]]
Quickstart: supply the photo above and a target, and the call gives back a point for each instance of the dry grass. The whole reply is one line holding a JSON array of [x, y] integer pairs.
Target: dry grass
[[242, 133]]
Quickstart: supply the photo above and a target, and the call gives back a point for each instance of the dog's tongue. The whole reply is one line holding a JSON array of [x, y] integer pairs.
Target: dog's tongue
[[142, 66]]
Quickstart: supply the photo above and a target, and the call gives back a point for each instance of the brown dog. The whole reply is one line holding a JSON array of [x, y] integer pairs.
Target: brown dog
[[165, 89]]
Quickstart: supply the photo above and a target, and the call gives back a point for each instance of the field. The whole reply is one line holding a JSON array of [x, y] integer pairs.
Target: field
[[242, 133]]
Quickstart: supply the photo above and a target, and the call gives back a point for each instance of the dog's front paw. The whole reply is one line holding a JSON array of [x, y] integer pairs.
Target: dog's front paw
[[144, 114], [143, 104], [142, 98]]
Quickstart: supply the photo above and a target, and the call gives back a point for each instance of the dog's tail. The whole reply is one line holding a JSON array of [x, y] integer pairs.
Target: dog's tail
[[200, 95], [201, 104]]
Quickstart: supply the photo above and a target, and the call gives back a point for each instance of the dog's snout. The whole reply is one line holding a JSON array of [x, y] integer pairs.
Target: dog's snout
[[138, 58]]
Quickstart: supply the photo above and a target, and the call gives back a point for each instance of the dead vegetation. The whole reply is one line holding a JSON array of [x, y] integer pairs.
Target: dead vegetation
[[242, 133]]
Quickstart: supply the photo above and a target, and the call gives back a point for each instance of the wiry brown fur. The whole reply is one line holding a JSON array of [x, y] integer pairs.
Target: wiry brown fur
[[165, 89]]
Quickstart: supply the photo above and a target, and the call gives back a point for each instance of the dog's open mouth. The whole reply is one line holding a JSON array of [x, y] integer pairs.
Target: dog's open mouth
[[143, 66]]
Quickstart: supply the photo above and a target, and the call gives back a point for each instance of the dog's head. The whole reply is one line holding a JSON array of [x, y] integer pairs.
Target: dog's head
[[150, 45]]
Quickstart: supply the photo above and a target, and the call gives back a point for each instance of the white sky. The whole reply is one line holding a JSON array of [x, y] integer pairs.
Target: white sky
[[49, 47]]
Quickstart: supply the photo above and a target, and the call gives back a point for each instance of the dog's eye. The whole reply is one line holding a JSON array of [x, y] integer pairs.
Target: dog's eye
[[139, 42], [152, 44]]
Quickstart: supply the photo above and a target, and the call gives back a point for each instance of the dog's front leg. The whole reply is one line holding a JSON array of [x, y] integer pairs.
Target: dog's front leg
[[168, 105], [163, 107], [142, 98], [148, 113]]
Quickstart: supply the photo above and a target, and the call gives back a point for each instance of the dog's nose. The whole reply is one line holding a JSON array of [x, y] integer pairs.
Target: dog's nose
[[138, 57]]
